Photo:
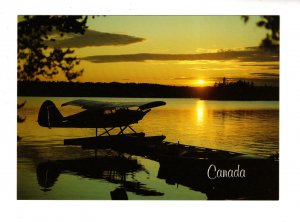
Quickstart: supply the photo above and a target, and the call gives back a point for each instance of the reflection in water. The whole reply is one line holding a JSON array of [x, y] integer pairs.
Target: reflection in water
[[47, 174], [119, 194], [246, 127], [261, 181], [200, 111], [112, 169], [256, 129], [190, 121]]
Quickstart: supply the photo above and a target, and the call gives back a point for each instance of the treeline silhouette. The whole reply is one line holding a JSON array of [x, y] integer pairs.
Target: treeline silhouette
[[243, 90], [239, 90]]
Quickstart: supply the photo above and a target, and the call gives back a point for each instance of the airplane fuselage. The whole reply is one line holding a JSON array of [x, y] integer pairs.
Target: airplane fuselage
[[98, 119], [96, 115]]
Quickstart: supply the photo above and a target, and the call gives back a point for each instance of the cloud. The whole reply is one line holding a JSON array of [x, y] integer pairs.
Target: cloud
[[247, 55], [265, 66], [265, 75], [215, 68], [204, 50], [185, 78], [275, 67], [93, 38]]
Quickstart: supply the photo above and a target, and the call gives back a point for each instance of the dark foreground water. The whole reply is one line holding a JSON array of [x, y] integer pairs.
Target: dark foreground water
[[49, 170]]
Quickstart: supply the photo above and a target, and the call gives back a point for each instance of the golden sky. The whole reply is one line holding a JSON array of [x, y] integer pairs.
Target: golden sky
[[173, 50]]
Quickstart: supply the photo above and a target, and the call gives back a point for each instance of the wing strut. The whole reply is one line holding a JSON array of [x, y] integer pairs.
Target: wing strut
[[122, 130], [131, 129], [106, 131]]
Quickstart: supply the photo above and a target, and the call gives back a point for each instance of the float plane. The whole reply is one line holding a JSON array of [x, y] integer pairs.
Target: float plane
[[96, 114]]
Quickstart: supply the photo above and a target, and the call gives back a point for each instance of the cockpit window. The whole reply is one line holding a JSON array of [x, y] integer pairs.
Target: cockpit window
[[109, 111]]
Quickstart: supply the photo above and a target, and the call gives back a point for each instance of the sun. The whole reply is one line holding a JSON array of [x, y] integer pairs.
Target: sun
[[200, 82]]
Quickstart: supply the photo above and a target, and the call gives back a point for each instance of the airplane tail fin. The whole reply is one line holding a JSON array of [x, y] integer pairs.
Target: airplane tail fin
[[49, 115]]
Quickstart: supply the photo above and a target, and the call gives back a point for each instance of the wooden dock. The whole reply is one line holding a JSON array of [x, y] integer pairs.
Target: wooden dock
[[188, 165], [153, 147]]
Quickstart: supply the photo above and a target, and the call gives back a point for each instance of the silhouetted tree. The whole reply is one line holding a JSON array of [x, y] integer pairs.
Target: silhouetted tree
[[271, 23], [224, 81], [35, 58], [19, 118]]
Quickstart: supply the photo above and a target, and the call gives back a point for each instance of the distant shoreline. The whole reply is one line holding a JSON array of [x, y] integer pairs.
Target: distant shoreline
[[145, 90]]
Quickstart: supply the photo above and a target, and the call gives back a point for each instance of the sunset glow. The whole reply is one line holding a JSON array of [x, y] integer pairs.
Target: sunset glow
[[172, 50], [201, 82], [132, 108]]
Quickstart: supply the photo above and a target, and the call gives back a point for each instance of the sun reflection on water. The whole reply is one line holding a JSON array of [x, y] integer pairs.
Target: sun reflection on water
[[200, 111]]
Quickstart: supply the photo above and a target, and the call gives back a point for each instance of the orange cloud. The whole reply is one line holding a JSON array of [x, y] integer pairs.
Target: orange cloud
[[93, 38], [247, 55]]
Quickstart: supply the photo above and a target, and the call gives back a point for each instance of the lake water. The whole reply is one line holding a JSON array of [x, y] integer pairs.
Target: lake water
[[49, 170]]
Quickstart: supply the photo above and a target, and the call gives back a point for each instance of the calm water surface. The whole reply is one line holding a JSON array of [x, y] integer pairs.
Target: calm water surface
[[247, 127]]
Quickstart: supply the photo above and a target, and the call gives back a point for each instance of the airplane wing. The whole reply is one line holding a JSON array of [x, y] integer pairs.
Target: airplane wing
[[99, 105]]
